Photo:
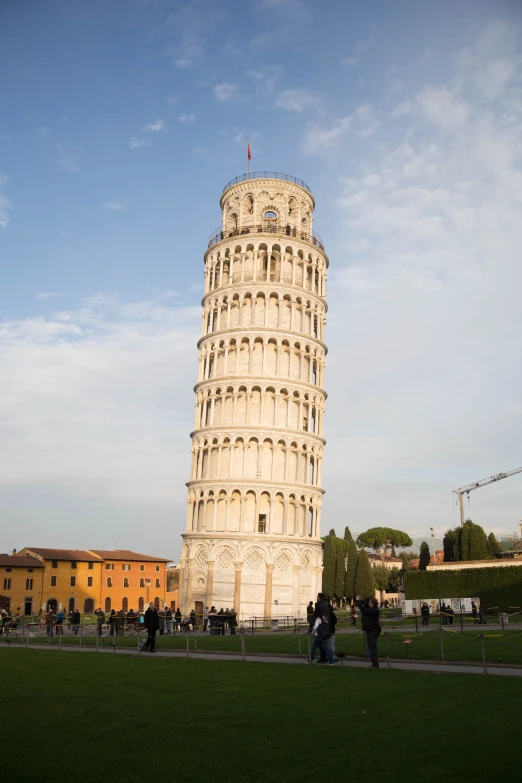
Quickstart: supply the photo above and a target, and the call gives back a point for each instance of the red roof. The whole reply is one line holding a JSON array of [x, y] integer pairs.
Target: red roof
[[19, 561], [63, 554], [126, 554]]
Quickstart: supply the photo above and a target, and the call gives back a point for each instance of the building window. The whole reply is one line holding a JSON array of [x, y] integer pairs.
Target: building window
[[157, 582], [89, 581], [109, 566], [141, 604], [73, 581], [261, 525], [158, 568], [126, 567], [142, 582], [91, 566], [30, 570], [109, 581], [7, 584], [8, 570], [53, 581], [54, 563], [125, 604], [28, 584], [142, 568], [107, 604], [125, 582], [73, 564]]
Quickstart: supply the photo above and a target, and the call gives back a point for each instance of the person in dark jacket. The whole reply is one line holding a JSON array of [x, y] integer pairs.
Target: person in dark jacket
[[178, 618], [310, 615], [100, 619], [330, 642], [232, 621], [370, 616], [451, 613], [323, 604], [162, 618], [193, 619], [151, 623], [425, 613], [75, 621]]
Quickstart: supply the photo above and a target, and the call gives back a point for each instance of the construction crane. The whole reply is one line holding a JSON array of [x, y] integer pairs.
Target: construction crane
[[466, 490]]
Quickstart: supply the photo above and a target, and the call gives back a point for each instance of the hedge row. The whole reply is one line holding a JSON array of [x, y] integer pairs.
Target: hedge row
[[500, 586]]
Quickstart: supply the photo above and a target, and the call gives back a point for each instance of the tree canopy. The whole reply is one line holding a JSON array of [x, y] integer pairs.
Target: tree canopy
[[381, 539]]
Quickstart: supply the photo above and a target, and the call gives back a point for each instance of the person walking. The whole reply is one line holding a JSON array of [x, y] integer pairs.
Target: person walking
[[353, 616], [474, 612], [151, 623], [370, 617], [444, 613], [100, 619], [178, 618], [205, 618], [310, 615], [450, 612], [321, 631], [481, 620], [425, 613]]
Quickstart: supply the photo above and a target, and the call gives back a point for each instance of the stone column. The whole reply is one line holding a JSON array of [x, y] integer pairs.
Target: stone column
[[237, 588], [268, 590], [210, 581]]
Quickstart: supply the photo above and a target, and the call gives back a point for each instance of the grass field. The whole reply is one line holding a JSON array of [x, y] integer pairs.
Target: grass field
[[500, 646], [109, 718]]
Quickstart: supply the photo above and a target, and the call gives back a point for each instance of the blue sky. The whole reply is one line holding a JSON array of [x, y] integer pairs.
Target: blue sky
[[120, 123]]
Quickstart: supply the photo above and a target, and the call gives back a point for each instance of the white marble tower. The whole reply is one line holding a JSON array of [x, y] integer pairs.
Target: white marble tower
[[252, 539]]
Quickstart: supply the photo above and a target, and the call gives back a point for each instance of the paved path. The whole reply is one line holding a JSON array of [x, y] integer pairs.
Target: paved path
[[437, 667]]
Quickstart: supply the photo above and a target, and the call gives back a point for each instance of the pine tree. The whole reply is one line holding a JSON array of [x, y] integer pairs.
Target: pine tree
[[351, 570], [424, 556], [478, 543], [493, 546], [340, 574], [329, 558], [347, 535], [364, 584]]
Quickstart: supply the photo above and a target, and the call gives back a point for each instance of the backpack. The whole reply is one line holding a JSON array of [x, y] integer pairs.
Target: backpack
[[323, 631]]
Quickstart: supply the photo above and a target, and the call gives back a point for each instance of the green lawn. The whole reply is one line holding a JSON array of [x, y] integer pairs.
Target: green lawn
[[71, 717], [500, 646]]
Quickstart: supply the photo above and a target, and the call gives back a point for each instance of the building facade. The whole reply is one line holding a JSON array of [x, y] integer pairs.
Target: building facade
[[21, 579], [252, 537], [86, 580]]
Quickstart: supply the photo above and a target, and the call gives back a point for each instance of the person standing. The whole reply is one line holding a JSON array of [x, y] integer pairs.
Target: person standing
[[205, 618], [232, 621], [193, 619], [100, 619], [481, 620], [151, 623], [450, 612], [425, 613], [212, 617], [162, 617], [321, 631], [444, 613], [75, 621], [49, 622], [168, 620], [310, 615], [474, 612], [353, 616], [60, 617], [177, 617], [370, 617]]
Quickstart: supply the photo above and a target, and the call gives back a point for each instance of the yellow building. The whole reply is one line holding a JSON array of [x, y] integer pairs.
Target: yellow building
[[71, 579], [20, 584]]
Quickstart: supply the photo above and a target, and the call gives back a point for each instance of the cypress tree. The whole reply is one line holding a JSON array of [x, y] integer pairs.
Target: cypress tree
[[332, 533], [329, 558], [351, 570], [424, 556], [340, 573], [450, 542], [493, 546], [464, 541], [405, 561], [478, 543], [364, 584], [347, 535]]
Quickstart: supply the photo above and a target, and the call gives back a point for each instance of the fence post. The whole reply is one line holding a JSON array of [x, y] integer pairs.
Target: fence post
[[188, 653], [484, 665], [195, 648], [388, 664], [502, 620], [299, 639], [309, 650], [243, 644], [441, 645]]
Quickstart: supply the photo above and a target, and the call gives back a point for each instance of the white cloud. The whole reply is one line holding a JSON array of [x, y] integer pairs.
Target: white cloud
[[47, 294], [4, 211], [186, 118], [156, 127], [444, 107], [226, 91], [135, 143], [88, 419], [112, 206], [403, 108], [173, 100], [296, 100], [320, 139], [183, 63], [359, 49], [69, 154]]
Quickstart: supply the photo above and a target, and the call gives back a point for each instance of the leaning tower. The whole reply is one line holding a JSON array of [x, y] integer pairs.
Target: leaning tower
[[252, 538]]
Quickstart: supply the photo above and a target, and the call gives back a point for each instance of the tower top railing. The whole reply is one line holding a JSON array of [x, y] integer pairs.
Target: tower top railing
[[266, 228], [267, 175]]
